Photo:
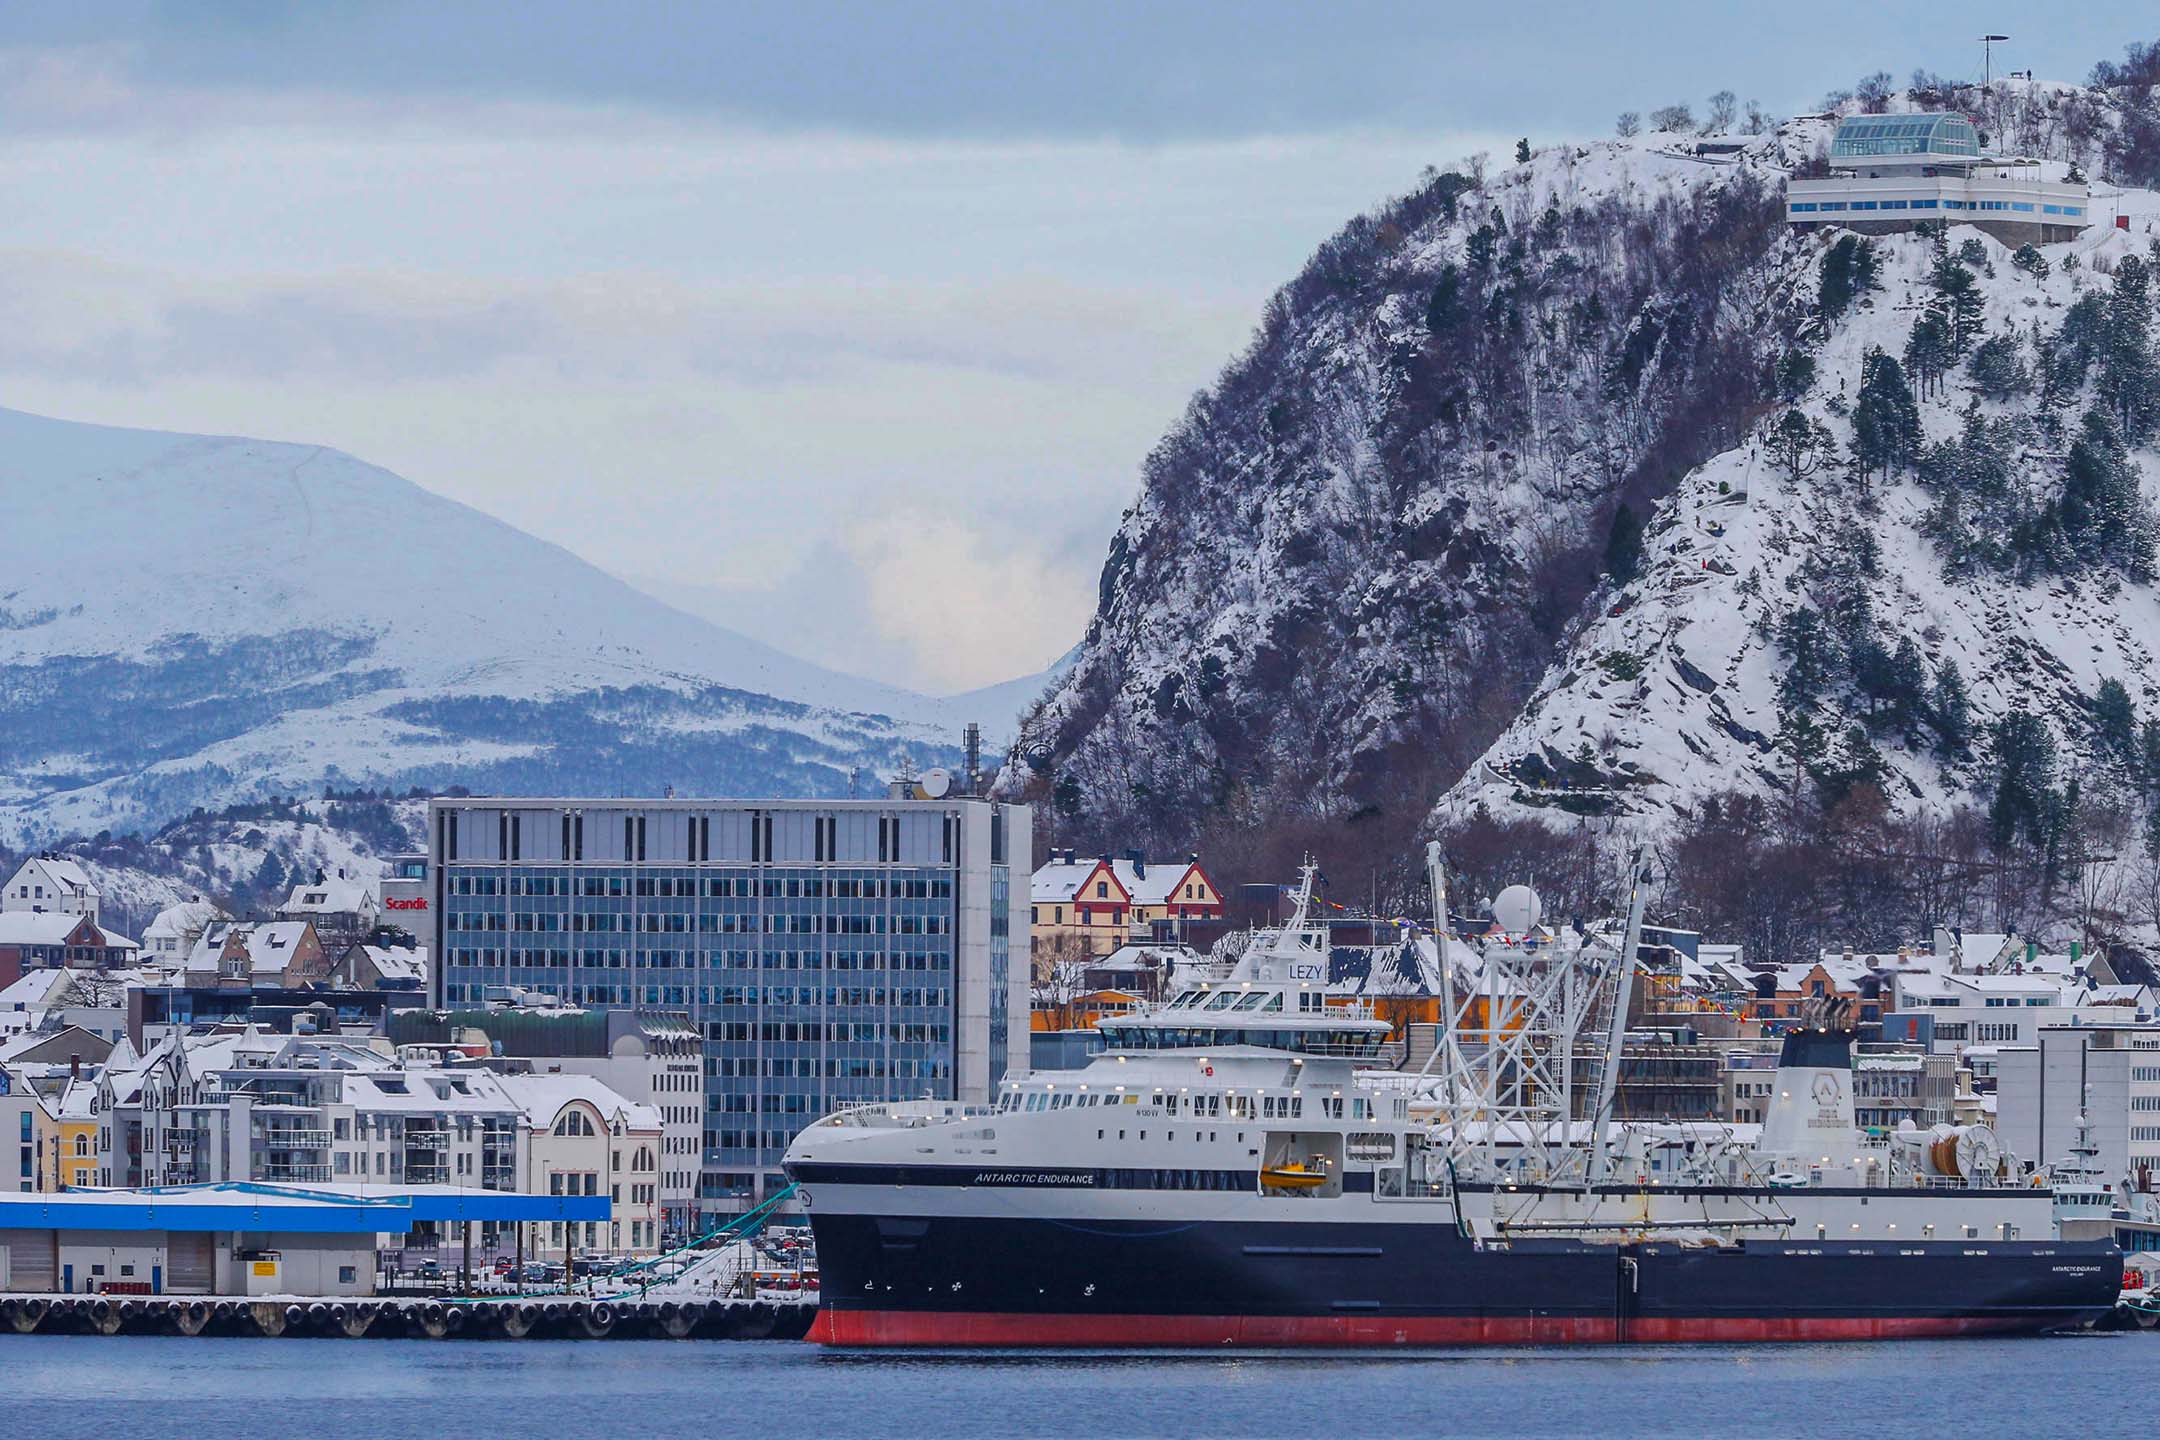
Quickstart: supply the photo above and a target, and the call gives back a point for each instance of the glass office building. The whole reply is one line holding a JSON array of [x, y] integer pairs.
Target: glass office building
[[832, 952]]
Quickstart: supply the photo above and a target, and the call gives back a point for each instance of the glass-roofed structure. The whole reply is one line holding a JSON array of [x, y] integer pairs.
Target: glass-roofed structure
[[1892, 172], [1867, 139]]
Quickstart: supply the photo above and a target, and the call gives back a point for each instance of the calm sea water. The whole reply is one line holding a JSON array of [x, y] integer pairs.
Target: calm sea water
[[61, 1387]]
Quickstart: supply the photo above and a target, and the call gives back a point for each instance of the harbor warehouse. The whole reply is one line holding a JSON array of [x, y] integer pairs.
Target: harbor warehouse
[[831, 952], [237, 1239]]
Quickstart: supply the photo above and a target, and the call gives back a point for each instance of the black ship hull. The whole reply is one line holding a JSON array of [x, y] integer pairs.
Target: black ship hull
[[980, 1281]]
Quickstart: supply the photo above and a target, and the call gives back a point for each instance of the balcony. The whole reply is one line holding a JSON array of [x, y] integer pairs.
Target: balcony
[[293, 1138], [427, 1139], [292, 1174]]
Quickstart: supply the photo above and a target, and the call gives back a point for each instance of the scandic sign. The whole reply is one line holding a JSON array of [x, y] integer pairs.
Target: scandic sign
[[416, 903]]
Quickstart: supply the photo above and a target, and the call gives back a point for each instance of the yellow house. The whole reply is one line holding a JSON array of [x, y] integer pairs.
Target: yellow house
[[77, 1135], [1082, 907]]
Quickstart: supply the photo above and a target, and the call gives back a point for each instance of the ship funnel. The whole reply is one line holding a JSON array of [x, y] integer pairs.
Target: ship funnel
[[1810, 1117]]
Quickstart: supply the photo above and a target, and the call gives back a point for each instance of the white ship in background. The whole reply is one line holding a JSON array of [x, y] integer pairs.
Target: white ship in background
[[1498, 1096]]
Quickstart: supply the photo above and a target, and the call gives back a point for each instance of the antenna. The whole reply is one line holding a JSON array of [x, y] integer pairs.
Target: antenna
[[971, 740], [1987, 59]]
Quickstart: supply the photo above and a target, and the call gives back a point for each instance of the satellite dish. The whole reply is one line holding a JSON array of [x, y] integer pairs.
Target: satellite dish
[[1516, 910], [936, 784]]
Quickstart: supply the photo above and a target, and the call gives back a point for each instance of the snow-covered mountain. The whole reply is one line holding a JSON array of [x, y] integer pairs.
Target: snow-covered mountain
[[192, 620], [1367, 573]]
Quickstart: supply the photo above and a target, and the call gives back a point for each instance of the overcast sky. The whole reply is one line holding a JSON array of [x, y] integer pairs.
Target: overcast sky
[[848, 324]]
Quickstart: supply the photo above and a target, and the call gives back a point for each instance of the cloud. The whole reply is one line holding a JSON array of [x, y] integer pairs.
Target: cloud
[[683, 347]]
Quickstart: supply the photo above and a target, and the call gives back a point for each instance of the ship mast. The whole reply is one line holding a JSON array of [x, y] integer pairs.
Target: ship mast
[[1616, 1029]]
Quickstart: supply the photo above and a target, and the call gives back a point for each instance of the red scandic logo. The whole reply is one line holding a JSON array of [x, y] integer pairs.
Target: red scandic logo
[[416, 903]]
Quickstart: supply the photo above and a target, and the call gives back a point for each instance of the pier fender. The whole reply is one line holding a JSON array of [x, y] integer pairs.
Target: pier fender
[[676, 1322], [597, 1321], [351, 1321], [454, 1318], [432, 1321], [295, 1317], [24, 1317], [191, 1318], [269, 1319], [516, 1321], [318, 1316], [753, 1321]]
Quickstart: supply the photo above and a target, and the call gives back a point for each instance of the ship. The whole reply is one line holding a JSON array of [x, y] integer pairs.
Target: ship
[[1231, 1171]]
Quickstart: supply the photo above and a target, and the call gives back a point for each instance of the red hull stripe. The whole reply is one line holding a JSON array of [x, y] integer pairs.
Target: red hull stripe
[[877, 1328]]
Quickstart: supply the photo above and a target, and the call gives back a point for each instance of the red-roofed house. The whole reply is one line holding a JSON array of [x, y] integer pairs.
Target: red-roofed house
[[1092, 906]]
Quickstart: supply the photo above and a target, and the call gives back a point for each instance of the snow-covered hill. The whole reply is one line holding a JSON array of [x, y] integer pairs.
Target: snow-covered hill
[[1680, 687], [191, 620], [1367, 571]]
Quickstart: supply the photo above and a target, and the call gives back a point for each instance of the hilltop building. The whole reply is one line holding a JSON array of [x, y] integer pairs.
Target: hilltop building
[[1892, 172]]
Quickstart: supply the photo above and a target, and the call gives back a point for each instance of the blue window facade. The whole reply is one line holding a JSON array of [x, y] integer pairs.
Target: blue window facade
[[818, 979]]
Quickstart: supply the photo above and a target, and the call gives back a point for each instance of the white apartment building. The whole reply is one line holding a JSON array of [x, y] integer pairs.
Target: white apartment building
[[581, 1138], [52, 884], [2111, 1072], [298, 1109]]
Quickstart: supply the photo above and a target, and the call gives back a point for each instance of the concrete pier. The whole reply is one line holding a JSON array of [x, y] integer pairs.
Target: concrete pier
[[548, 1318]]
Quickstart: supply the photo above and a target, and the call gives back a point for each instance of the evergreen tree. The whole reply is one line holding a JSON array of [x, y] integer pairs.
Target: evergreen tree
[[2025, 799], [2031, 261], [2129, 380], [1849, 270], [2149, 756], [1623, 545], [1445, 307], [1853, 763], [1962, 306], [1905, 691], [1798, 446], [1998, 369], [1522, 151], [1795, 375], [1950, 711], [1886, 418], [2115, 720], [2102, 514], [1929, 353], [1807, 660], [270, 878]]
